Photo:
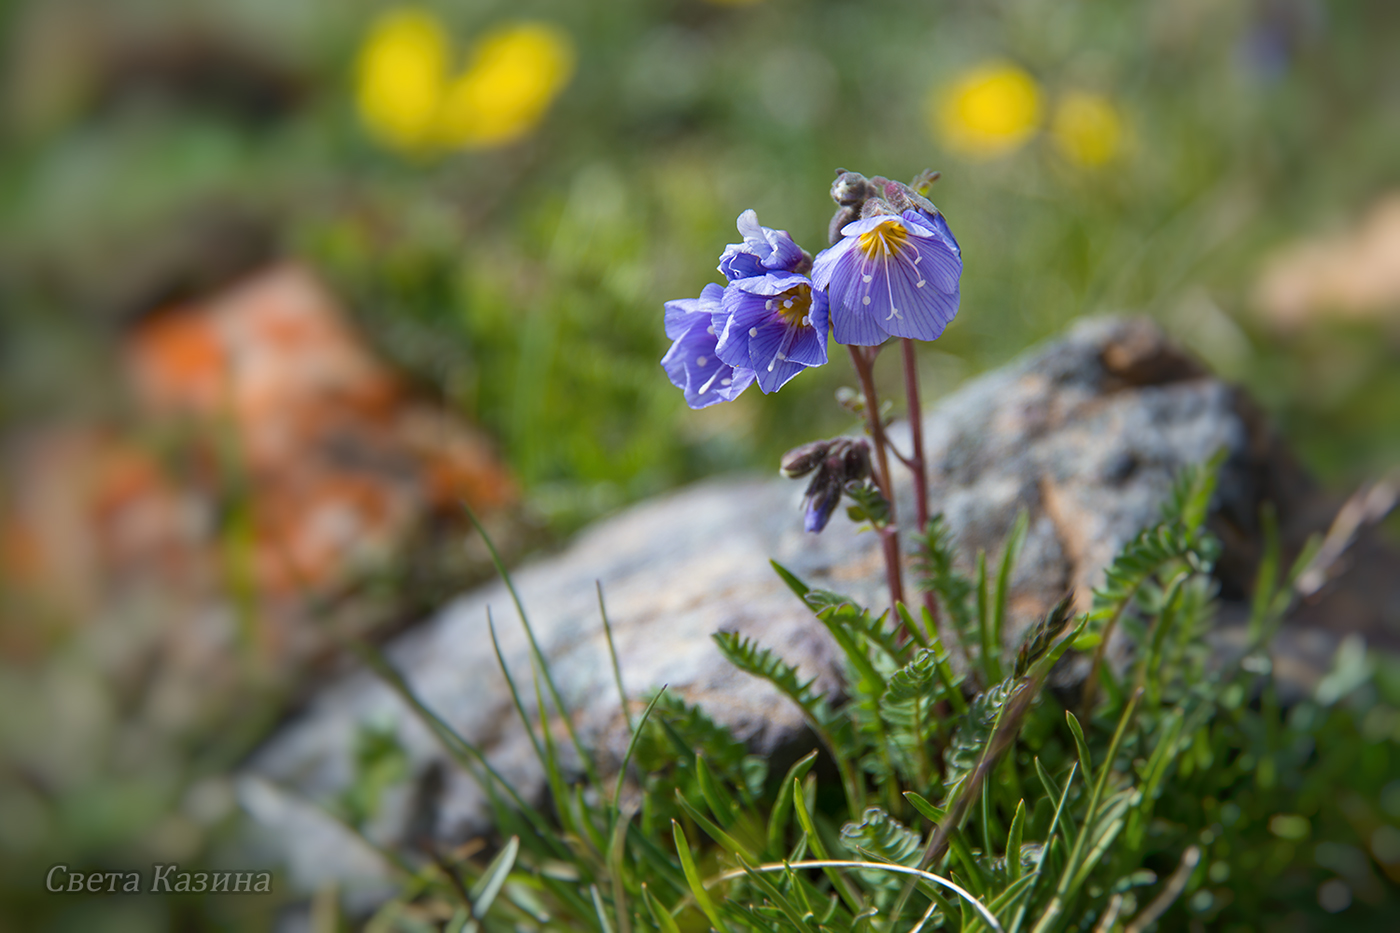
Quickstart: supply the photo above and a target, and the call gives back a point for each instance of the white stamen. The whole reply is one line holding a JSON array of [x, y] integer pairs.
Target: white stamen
[[894, 313], [710, 330], [919, 284], [865, 278], [768, 305], [807, 321], [865, 300], [782, 355], [753, 331], [700, 361], [918, 259], [788, 303], [725, 382], [771, 365]]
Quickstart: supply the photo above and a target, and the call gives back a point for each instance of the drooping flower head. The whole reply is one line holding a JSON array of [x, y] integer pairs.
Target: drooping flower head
[[894, 271], [692, 363], [839, 465], [767, 325]]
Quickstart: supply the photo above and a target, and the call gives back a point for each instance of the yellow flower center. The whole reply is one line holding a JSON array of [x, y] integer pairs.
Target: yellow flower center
[[888, 239], [793, 306]]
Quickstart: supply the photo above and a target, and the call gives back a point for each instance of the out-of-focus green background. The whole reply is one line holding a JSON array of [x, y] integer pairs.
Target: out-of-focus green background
[[506, 227]]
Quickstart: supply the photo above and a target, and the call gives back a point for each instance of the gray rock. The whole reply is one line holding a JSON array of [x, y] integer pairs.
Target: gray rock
[[1086, 433]]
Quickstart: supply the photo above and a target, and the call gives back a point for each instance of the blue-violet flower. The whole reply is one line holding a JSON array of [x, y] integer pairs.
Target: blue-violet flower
[[766, 325], [891, 275]]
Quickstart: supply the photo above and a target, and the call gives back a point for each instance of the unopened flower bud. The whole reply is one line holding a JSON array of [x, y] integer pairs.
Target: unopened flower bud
[[845, 214], [802, 460], [855, 461], [850, 188]]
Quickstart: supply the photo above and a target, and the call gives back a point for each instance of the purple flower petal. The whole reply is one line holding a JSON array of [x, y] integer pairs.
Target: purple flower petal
[[680, 311], [692, 363], [763, 250]]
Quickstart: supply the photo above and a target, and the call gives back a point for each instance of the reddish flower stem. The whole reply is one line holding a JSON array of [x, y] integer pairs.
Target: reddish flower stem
[[889, 535], [916, 463]]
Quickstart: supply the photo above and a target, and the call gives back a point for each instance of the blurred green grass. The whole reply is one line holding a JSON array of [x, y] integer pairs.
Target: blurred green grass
[[150, 149], [524, 285]]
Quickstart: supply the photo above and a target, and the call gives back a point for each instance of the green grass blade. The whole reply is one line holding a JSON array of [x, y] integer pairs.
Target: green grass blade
[[720, 802], [991, 652], [692, 877], [462, 751], [612, 655], [1086, 761], [1066, 891], [944, 670], [1049, 838], [927, 810], [584, 757], [1008, 563], [631, 749], [617, 848], [1013, 842], [514, 693], [484, 892], [915, 631], [714, 831], [599, 909], [795, 913], [782, 807], [659, 915], [838, 881]]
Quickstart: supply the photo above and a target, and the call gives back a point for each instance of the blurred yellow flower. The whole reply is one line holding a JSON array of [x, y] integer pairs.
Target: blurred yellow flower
[[402, 71], [989, 111], [1087, 128], [514, 75], [409, 102]]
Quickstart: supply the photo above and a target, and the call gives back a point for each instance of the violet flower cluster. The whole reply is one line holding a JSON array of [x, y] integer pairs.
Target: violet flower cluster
[[892, 271]]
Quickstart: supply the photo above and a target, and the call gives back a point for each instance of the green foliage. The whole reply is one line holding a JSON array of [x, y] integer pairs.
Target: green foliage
[[1184, 795], [934, 555], [380, 763]]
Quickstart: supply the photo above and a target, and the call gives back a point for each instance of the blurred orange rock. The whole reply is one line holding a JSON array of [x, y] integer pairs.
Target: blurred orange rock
[[340, 459], [270, 465], [1353, 274]]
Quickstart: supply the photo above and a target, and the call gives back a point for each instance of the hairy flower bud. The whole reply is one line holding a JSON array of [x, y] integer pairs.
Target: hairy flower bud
[[802, 460], [855, 461], [850, 188]]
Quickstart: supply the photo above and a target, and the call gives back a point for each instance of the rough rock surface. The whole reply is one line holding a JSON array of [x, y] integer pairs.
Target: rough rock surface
[[1086, 433]]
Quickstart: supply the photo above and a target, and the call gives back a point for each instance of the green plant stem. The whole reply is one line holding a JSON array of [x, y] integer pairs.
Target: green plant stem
[[889, 535]]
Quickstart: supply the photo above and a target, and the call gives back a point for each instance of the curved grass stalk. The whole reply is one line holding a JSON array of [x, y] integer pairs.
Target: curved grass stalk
[[977, 905]]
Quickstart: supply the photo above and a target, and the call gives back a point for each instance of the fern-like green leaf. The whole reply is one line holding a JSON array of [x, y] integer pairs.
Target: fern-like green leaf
[[934, 573], [965, 749], [747, 655], [1191, 493], [881, 837]]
